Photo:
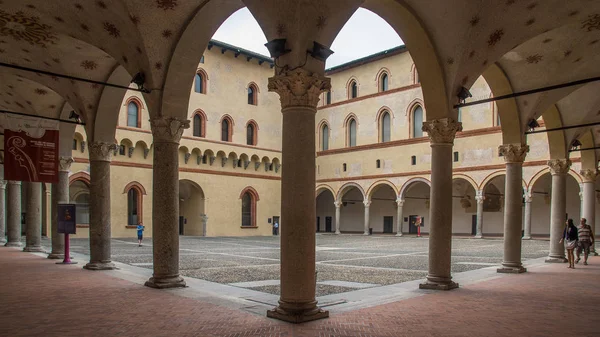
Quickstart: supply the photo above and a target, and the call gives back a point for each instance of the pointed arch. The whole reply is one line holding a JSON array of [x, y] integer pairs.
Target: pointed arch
[[352, 87], [252, 132], [383, 79], [82, 176], [253, 91], [199, 120], [384, 124], [324, 135], [227, 125], [351, 126], [200, 81]]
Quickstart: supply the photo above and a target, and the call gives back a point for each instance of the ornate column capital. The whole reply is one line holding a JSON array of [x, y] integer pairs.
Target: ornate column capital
[[168, 129], [559, 166], [589, 175], [400, 202], [299, 87], [14, 182], [442, 131], [480, 199], [513, 153], [2, 184], [367, 203], [64, 163], [337, 204], [101, 151]]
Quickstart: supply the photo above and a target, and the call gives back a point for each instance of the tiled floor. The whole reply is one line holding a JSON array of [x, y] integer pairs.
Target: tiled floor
[[40, 298]]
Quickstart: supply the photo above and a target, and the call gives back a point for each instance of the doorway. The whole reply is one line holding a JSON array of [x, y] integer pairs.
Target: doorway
[[318, 223], [181, 221], [388, 224], [474, 225], [412, 220], [328, 224]]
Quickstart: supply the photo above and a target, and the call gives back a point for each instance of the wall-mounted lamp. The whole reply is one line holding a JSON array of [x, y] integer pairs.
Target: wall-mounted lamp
[[139, 79], [463, 94], [74, 116], [532, 125], [320, 52], [575, 144], [277, 48]]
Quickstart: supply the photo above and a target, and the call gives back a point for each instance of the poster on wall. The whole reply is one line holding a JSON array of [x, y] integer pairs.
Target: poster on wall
[[66, 218], [31, 149]]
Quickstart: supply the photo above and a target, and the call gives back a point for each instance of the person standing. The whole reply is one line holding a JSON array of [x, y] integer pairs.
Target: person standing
[[276, 228], [570, 238], [586, 240], [140, 233]]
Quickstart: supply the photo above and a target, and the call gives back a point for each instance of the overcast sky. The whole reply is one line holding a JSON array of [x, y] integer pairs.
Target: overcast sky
[[364, 34]]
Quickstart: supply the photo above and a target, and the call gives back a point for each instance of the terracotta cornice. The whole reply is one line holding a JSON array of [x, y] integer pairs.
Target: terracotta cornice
[[377, 94]]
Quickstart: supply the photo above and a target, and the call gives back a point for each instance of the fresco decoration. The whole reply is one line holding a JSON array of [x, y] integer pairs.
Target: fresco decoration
[[22, 27]]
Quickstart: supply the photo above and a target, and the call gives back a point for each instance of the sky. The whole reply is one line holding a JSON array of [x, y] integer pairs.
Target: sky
[[364, 34]]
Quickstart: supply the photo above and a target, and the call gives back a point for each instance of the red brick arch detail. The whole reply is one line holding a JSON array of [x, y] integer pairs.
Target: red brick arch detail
[[84, 177], [255, 136], [203, 118], [140, 106], [140, 200], [135, 184], [231, 125], [251, 190], [255, 198]]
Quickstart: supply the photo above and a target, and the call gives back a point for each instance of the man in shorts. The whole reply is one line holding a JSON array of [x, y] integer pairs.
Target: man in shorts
[[140, 233], [586, 239]]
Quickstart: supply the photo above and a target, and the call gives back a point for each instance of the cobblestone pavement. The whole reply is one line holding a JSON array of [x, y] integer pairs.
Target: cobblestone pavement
[[40, 298], [344, 262]]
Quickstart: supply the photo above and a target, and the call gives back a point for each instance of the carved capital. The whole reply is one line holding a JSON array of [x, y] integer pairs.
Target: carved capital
[[367, 203], [100, 151], [480, 199], [299, 88], [2, 184], [559, 166], [589, 176], [64, 163], [168, 129], [14, 182], [399, 202], [513, 153], [442, 131], [337, 204]]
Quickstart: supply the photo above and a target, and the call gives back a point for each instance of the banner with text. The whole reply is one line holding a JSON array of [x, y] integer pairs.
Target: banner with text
[[31, 149]]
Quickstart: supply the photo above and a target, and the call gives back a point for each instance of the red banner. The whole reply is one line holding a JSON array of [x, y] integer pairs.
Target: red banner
[[31, 159]]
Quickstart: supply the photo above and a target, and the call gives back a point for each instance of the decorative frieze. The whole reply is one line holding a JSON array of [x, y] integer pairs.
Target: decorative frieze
[[559, 166], [168, 129], [589, 175], [64, 164], [299, 87], [442, 131], [513, 153], [101, 151]]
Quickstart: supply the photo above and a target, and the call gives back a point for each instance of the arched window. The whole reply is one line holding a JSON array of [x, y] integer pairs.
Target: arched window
[[252, 94], [133, 111], [352, 132], [417, 115], [226, 129], [199, 84], [249, 198], [250, 134], [384, 82], [132, 207], [325, 138], [197, 126], [385, 125], [353, 90]]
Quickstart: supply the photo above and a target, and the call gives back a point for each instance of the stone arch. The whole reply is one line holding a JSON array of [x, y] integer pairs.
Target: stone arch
[[252, 191], [322, 187], [409, 182], [379, 79], [491, 176], [588, 157], [344, 189], [82, 176], [351, 80], [466, 178], [378, 184], [135, 184], [254, 133], [107, 112]]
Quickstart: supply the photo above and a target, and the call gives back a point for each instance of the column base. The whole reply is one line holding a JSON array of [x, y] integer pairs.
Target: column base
[[2, 241], [526, 237], [366, 233], [100, 266], [478, 237], [399, 234], [557, 259], [56, 256], [438, 283], [165, 282], [13, 244], [297, 312], [511, 270], [34, 250], [338, 232]]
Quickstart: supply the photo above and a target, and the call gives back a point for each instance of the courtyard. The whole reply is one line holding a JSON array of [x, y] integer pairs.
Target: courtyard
[[345, 263]]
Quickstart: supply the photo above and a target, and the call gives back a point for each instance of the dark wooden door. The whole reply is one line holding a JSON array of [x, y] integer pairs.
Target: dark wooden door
[[328, 224], [318, 223], [388, 224], [474, 225], [181, 221]]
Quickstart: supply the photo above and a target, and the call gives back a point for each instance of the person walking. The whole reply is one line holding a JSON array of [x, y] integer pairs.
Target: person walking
[[276, 228], [586, 240], [570, 238], [140, 233]]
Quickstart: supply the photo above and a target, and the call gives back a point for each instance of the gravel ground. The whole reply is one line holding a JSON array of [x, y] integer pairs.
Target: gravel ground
[[378, 259]]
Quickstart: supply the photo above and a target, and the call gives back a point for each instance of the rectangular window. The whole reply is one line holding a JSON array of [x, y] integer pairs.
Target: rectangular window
[[455, 156], [74, 144], [378, 163], [344, 166], [328, 97], [413, 160]]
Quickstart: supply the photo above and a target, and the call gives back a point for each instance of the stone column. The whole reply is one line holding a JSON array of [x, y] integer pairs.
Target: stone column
[[46, 205], [60, 195], [527, 221], [166, 133], [338, 211], [514, 155], [299, 91], [367, 204], [100, 155], [2, 212], [399, 216], [441, 134], [479, 198], [33, 217], [13, 218], [589, 201], [558, 210]]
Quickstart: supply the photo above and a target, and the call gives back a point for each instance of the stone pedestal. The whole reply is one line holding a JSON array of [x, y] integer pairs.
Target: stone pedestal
[[100, 228], [441, 134], [167, 132], [480, 198], [299, 91], [558, 210], [13, 211], [589, 202], [514, 155], [399, 216], [527, 197], [367, 204], [2, 212], [338, 206], [60, 194], [33, 218]]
